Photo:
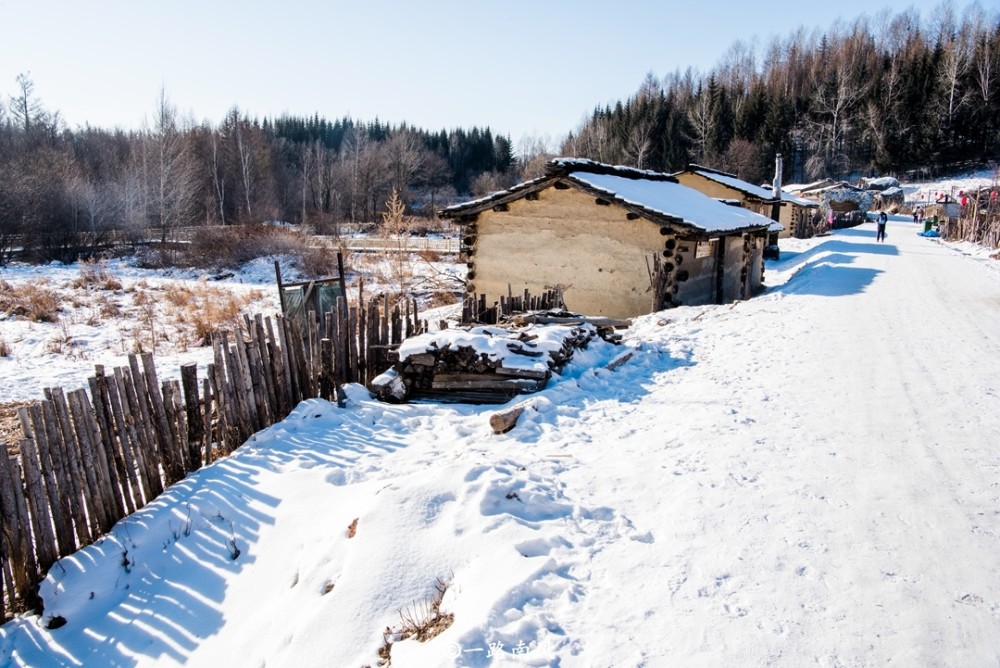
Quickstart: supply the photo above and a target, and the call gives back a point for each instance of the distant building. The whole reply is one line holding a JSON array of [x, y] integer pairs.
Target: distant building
[[597, 232], [794, 213]]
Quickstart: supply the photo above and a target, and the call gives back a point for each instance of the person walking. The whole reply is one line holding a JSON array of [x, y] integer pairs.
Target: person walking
[[880, 222]]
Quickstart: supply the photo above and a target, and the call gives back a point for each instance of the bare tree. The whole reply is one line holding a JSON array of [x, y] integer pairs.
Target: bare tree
[[700, 118], [25, 107], [638, 142], [955, 63], [219, 176], [405, 155], [171, 185]]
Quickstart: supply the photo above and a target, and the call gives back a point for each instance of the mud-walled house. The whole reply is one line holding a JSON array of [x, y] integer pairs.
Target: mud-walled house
[[618, 242], [796, 214]]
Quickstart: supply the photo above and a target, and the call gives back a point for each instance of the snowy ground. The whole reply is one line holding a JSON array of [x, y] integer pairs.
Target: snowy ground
[[105, 311], [807, 478], [119, 309]]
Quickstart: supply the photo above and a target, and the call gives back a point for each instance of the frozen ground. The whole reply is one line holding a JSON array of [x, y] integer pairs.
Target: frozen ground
[[807, 478]]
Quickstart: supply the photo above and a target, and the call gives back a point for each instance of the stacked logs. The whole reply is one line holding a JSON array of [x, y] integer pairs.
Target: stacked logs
[[463, 374], [666, 273]]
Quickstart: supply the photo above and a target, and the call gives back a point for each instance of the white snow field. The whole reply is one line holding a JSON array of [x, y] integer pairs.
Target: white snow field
[[808, 478]]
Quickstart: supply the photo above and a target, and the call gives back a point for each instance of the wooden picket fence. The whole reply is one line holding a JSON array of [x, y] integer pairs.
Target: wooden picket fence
[[477, 310], [88, 460]]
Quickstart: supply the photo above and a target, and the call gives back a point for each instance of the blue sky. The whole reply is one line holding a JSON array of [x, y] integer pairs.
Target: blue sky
[[521, 67]]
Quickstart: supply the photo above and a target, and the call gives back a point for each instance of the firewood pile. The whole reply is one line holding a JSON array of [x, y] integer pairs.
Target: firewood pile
[[485, 364]]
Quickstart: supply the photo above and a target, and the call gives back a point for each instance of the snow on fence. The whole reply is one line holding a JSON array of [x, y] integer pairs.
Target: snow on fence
[[89, 460]]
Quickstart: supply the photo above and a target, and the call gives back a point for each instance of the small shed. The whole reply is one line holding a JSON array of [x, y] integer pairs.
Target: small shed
[[794, 213], [616, 241], [944, 207], [722, 185]]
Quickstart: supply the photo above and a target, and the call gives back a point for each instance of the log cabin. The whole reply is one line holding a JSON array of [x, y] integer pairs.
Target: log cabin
[[616, 241]]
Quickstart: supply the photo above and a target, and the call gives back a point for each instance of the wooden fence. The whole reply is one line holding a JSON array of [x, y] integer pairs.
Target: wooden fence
[[88, 460], [476, 310]]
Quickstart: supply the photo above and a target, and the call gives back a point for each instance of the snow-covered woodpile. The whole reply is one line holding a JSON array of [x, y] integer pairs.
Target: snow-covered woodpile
[[484, 364]]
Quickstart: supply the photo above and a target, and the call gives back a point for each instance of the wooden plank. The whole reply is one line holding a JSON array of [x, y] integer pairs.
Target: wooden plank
[[326, 383], [30, 595], [240, 393], [135, 470], [172, 467], [147, 451], [296, 344], [175, 430], [135, 402], [42, 521], [353, 372], [195, 419], [15, 531], [142, 450], [221, 394], [221, 420], [207, 441], [279, 358], [84, 468], [246, 384], [267, 368], [182, 430], [110, 496], [313, 358], [537, 374], [85, 524], [57, 483], [475, 381], [291, 368], [112, 449], [258, 377], [340, 343]]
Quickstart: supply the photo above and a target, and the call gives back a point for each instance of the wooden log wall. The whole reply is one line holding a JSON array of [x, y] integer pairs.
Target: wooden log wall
[[87, 460]]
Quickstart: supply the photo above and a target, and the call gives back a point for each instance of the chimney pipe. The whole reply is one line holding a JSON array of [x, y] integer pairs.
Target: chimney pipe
[[776, 189], [777, 175]]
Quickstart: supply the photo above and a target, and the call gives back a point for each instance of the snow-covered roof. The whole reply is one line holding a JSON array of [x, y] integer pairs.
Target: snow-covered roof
[[652, 195], [730, 181], [880, 183], [793, 199], [814, 186]]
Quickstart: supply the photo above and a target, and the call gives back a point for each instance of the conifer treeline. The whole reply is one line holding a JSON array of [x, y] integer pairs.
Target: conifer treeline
[[884, 95]]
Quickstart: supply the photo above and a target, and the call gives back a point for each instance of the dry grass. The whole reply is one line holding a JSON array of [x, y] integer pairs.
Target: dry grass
[[94, 275], [233, 246], [5, 348], [422, 622], [31, 301], [10, 426], [203, 308]]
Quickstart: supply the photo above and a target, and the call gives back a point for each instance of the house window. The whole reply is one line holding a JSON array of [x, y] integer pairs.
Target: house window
[[705, 248]]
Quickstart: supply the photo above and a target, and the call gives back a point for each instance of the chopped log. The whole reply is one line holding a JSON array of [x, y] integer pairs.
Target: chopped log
[[424, 359], [467, 381], [521, 350], [544, 319], [505, 420], [537, 374], [389, 386], [618, 361]]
